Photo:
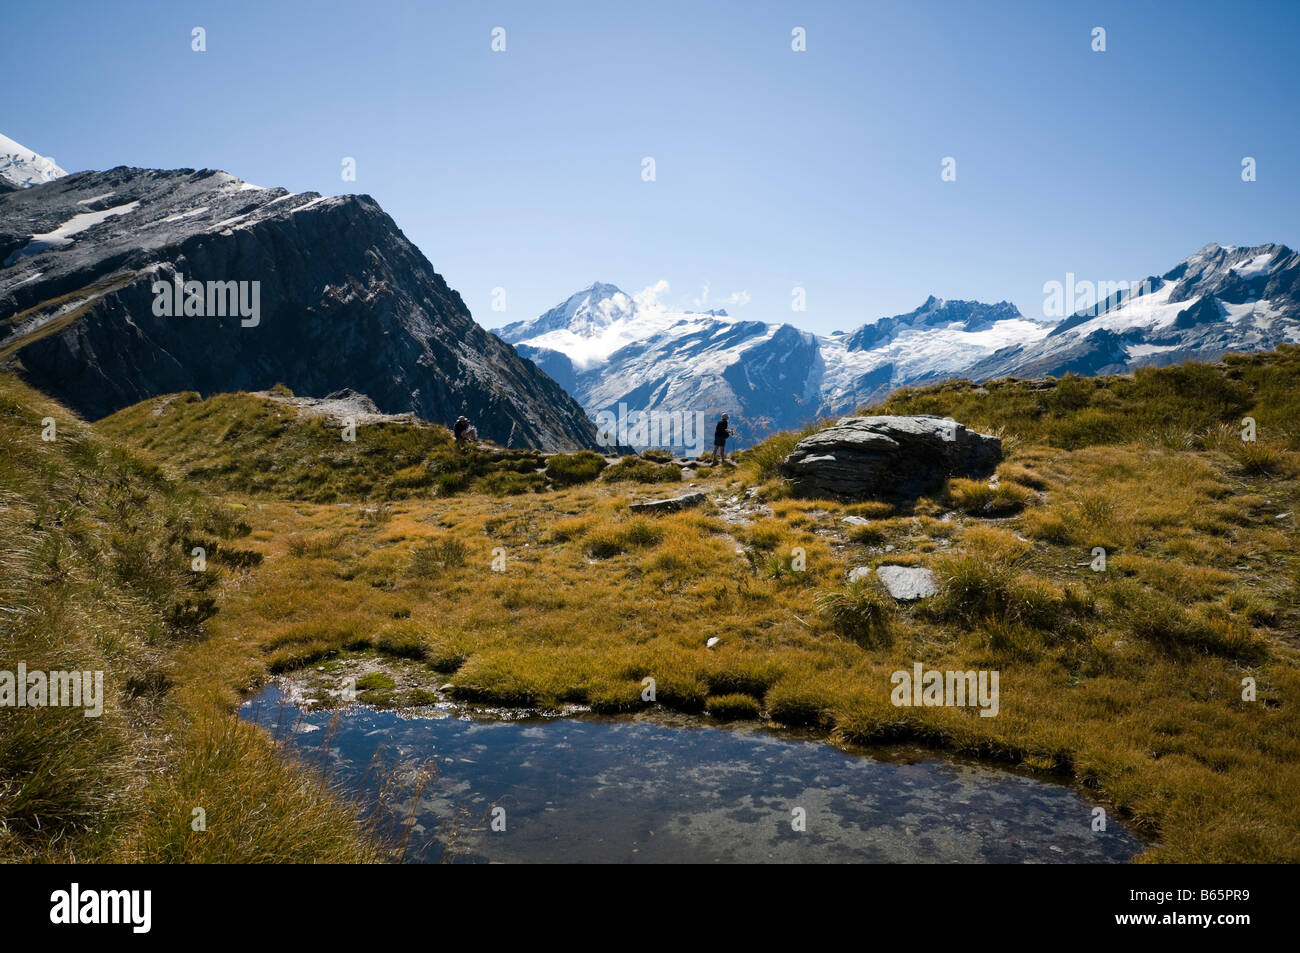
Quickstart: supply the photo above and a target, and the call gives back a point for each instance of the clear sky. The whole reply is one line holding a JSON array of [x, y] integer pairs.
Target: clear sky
[[774, 169]]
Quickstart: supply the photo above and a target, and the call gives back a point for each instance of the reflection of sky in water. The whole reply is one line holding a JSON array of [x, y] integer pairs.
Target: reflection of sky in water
[[615, 790]]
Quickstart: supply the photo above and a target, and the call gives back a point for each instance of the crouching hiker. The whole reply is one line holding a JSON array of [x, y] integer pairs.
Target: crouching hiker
[[465, 433]]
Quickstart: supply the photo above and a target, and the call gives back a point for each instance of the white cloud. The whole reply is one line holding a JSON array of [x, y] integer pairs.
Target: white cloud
[[649, 299]]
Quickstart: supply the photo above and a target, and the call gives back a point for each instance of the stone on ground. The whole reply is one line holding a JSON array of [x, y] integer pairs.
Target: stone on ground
[[669, 506], [890, 457]]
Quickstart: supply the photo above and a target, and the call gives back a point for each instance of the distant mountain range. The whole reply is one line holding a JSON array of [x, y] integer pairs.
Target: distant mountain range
[[342, 300], [1221, 299], [346, 301], [607, 349]]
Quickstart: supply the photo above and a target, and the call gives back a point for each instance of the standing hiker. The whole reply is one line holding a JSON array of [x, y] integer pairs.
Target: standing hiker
[[720, 435]]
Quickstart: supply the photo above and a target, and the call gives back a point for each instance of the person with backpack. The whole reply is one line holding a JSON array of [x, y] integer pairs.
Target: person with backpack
[[720, 435]]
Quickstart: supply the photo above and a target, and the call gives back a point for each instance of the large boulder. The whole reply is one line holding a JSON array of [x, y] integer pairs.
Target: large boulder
[[888, 457]]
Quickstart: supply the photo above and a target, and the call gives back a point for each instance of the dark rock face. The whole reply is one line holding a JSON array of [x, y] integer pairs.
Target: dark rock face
[[345, 301], [888, 457]]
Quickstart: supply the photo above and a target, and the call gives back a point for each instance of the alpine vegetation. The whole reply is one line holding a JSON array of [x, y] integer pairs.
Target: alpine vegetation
[[910, 499]]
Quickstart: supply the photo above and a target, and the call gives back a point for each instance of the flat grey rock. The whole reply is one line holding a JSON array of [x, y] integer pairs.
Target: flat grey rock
[[907, 583], [889, 457], [669, 506]]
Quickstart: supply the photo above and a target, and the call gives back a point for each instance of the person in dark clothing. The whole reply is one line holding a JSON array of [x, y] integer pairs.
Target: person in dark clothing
[[463, 432], [720, 435]]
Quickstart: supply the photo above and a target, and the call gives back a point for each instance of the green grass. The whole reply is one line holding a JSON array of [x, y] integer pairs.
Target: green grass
[[735, 707], [641, 470], [569, 469], [96, 575], [861, 612], [1169, 405], [1127, 678], [246, 444]]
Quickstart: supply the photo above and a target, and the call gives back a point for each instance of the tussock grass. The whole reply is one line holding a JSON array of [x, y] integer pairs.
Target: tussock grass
[[978, 498], [641, 470], [1129, 678], [568, 469], [248, 444], [860, 612], [435, 558], [732, 707], [95, 575], [763, 461], [615, 540]]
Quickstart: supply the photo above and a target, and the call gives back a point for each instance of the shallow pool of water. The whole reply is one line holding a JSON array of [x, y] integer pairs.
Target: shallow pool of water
[[663, 788]]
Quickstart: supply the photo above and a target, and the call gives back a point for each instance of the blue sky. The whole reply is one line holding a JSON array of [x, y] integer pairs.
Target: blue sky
[[775, 169]]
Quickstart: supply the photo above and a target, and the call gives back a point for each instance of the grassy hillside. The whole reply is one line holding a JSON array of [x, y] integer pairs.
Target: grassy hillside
[[95, 575], [1128, 679], [260, 447]]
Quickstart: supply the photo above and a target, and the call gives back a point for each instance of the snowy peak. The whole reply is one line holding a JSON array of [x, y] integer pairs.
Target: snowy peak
[[1221, 299], [1235, 274], [768, 376], [22, 168], [589, 327], [585, 314], [933, 314]]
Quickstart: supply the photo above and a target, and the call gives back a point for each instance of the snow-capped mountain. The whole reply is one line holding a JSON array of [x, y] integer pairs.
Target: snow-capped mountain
[[21, 168], [1219, 300], [939, 339], [609, 348]]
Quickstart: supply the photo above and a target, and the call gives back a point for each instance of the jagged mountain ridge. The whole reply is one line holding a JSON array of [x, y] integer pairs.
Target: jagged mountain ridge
[[346, 301], [1219, 300], [607, 349]]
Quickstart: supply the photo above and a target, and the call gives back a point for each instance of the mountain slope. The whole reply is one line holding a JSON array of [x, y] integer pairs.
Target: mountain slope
[[21, 168], [342, 300], [606, 348], [1219, 300]]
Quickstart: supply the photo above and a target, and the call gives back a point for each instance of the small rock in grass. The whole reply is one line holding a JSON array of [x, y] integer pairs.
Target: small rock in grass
[[906, 583], [668, 506]]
